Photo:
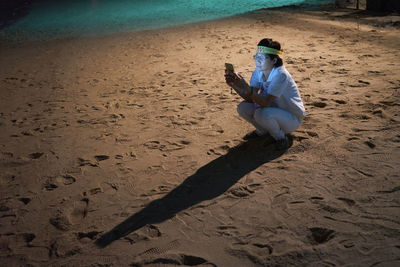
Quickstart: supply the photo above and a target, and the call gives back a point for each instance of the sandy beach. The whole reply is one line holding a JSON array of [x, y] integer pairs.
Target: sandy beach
[[127, 150]]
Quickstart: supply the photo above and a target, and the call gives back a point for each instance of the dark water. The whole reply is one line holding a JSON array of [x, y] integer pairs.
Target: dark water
[[47, 19]]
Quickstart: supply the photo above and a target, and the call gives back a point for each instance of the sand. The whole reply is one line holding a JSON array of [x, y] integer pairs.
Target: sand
[[127, 149]]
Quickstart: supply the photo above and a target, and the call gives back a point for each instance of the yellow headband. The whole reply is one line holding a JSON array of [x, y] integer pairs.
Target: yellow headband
[[268, 50]]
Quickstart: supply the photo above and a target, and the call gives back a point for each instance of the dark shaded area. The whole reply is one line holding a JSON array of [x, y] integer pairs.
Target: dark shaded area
[[367, 17], [383, 5], [11, 11], [210, 181], [321, 235]]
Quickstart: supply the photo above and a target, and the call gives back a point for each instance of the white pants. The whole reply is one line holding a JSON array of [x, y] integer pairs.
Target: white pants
[[275, 121]]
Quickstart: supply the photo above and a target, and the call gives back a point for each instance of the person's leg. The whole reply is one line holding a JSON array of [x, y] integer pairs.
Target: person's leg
[[246, 111], [276, 121]]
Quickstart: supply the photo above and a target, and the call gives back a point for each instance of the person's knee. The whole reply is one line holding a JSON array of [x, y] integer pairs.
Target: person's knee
[[242, 109], [262, 115]]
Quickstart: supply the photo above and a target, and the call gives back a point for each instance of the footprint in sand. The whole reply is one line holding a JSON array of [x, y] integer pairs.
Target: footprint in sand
[[92, 235], [8, 160], [339, 101], [178, 259], [241, 191], [144, 234], [296, 202], [304, 145], [380, 112], [263, 247], [71, 214], [300, 135], [227, 230], [87, 162], [101, 157], [153, 256], [151, 231], [394, 189], [321, 235], [167, 145], [331, 209], [25, 200], [348, 201], [312, 134], [347, 243], [95, 190], [360, 83], [221, 150], [316, 199], [55, 182], [162, 189], [341, 71], [28, 238], [79, 210], [370, 144], [367, 56], [63, 247], [35, 155], [61, 221], [319, 104], [122, 138], [162, 248], [11, 240]]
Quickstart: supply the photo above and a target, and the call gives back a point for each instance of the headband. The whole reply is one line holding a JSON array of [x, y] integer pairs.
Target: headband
[[268, 50]]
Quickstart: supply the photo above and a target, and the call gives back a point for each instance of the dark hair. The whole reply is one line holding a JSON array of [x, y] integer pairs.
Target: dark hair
[[272, 44]]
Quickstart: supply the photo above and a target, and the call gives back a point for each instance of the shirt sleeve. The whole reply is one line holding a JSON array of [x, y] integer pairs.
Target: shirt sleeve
[[277, 85], [255, 80]]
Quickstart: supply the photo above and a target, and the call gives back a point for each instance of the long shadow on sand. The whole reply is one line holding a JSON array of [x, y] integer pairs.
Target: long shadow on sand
[[210, 181]]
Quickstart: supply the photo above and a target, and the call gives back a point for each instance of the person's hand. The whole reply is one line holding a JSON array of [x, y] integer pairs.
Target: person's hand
[[230, 78], [235, 79], [241, 83], [238, 83]]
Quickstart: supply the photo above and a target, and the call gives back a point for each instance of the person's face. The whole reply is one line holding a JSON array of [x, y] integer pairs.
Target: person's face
[[263, 62]]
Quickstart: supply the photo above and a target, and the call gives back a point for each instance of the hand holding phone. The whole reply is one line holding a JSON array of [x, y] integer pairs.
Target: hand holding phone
[[229, 68], [229, 74]]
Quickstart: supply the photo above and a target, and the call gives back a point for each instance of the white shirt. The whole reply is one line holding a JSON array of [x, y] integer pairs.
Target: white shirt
[[281, 85]]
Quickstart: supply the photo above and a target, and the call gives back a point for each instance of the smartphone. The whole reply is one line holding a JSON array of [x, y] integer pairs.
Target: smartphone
[[229, 67]]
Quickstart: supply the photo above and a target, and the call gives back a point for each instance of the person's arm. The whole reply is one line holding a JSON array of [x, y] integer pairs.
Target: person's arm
[[262, 101], [243, 91], [237, 83], [274, 90]]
